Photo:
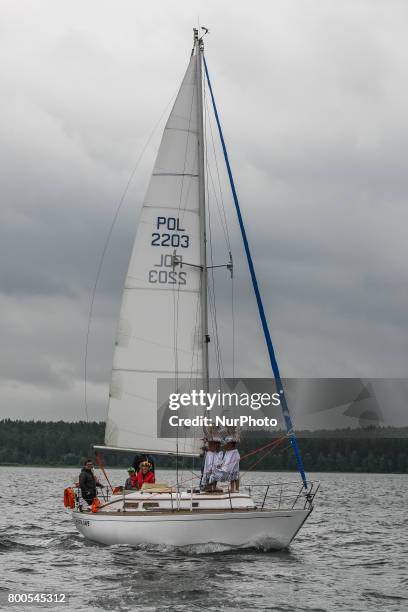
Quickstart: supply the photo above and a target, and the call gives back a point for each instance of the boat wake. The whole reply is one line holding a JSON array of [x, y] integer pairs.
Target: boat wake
[[261, 544]]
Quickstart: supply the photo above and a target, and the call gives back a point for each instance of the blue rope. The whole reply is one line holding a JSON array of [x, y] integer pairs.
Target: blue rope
[[272, 357]]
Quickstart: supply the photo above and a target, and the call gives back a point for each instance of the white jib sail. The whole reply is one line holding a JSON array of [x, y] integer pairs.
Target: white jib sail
[[159, 333]]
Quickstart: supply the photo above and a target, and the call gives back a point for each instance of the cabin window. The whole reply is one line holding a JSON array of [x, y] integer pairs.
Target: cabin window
[[195, 504], [131, 505], [148, 505]]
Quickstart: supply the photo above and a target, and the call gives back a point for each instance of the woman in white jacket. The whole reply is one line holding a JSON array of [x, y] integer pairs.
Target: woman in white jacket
[[213, 457], [228, 469]]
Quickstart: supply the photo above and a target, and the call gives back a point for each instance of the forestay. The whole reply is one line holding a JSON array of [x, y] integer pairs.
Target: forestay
[[159, 332]]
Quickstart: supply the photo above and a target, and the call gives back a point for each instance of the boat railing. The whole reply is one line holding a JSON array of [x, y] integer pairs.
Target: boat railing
[[282, 495], [266, 496]]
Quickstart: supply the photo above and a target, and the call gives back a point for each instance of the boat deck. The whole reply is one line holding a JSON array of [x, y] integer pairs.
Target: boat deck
[[166, 511]]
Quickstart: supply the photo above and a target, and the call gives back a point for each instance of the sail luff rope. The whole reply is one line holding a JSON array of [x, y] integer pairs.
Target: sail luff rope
[[176, 292], [176, 289], [265, 327]]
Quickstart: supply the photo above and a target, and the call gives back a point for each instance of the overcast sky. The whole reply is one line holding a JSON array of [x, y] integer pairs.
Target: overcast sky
[[313, 99]]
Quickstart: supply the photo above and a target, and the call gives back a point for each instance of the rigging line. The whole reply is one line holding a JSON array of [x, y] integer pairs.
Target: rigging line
[[183, 210], [221, 216], [194, 353], [226, 238], [233, 325], [214, 332], [99, 461], [218, 352], [213, 306], [105, 248], [265, 327], [212, 268], [265, 454], [274, 442], [220, 367], [225, 224]]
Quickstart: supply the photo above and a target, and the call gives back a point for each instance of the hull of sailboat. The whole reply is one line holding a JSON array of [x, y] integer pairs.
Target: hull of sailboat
[[271, 528]]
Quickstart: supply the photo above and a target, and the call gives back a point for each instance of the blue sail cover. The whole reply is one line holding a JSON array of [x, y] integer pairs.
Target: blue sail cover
[[264, 322]]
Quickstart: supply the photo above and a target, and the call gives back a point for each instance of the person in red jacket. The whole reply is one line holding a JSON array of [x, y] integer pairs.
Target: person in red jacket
[[145, 474]]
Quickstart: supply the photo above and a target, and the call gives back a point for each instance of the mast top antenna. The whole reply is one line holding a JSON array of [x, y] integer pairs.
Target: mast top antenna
[[196, 37]]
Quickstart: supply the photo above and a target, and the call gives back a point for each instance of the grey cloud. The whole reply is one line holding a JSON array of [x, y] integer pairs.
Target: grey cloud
[[313, 106]]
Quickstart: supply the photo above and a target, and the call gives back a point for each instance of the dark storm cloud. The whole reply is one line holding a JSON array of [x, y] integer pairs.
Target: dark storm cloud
[[313, 105]]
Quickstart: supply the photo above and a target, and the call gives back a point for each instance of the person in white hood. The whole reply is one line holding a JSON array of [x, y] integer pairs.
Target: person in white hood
[[228, 469], [213, 457]]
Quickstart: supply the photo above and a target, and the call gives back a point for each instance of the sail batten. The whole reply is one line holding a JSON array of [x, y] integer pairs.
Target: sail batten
[[161, 372], [161, 296], [174, 174]]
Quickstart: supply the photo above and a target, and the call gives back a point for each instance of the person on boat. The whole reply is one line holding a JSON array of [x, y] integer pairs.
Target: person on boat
[[142, 457], [228, 469], [213, 457], [88, 482], [145, 475], [131, 482]]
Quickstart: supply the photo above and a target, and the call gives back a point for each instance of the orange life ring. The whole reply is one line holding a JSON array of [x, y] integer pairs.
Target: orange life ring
[[69, 498]]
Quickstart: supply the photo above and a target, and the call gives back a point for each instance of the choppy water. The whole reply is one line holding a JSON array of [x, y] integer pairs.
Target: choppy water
[[351, 555]]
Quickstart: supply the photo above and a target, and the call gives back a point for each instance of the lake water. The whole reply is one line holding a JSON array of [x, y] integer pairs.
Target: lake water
[[351, 554]]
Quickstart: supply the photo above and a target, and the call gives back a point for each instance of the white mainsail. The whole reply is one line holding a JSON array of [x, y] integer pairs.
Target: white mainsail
[[160, 328]]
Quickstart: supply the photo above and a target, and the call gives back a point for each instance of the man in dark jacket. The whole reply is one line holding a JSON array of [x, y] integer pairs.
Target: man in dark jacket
[[88, 482]]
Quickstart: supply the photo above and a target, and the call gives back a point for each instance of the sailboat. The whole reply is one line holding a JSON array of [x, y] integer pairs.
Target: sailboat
[[163, 333]]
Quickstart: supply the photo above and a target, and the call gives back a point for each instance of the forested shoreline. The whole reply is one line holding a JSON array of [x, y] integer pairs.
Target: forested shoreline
[[45, 443]]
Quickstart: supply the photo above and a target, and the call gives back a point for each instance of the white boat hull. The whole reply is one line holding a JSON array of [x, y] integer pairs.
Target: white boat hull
[[274, 528]]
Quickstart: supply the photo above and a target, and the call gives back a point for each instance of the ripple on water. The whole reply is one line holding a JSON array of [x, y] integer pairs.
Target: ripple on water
[[343, 560], [8, 544], [385, 596]]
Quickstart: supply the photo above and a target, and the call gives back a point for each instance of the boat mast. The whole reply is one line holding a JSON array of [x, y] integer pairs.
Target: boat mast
[[199, 47]]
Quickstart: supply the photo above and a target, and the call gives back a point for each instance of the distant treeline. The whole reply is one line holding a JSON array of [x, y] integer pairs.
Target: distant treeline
[[67, 444]]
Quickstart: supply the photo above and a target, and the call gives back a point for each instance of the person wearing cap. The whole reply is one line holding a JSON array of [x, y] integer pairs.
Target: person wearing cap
[[131, 482], [139, 458], [213, 457], [228, 469], [145, 475]]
